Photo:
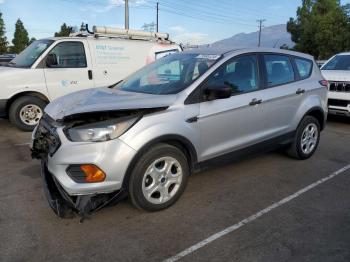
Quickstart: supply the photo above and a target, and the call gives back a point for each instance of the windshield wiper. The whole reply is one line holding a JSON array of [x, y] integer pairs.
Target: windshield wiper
[[113, 85]]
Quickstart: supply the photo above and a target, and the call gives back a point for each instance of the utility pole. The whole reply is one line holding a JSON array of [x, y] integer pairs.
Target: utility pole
[[157, 16], [260, 21], [126, 14]]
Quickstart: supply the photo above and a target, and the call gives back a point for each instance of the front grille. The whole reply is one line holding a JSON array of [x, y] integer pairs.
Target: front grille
[[46, 140], [338, 102], [339, 87]]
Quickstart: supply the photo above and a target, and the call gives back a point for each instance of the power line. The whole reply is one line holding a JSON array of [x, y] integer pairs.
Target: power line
[[228, 10], [233, 9], [203, 18], [208, 17]]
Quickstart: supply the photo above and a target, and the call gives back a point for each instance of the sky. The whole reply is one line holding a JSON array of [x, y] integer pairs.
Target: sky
[[187, 21]]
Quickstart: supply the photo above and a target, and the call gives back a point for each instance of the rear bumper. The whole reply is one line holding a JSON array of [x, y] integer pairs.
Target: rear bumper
[[3, 104]]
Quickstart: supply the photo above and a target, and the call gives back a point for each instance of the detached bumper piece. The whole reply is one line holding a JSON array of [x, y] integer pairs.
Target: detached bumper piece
[[66, 206]]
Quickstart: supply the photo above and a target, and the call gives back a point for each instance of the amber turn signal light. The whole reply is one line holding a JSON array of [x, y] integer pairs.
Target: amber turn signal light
[[92, 173]]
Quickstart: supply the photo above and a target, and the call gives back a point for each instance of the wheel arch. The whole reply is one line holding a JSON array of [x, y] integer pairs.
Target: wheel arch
[[175, 140], [26, 93], [319, 114]]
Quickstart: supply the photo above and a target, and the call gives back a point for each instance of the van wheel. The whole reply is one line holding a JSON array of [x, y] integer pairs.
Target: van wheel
[[26, 111], [306, 139], [159, 178]]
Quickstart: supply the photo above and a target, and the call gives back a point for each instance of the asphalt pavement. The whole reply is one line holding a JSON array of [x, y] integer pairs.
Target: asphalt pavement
[[314, 226]]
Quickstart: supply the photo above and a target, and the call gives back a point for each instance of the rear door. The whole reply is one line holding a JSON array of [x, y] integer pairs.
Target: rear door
[[72, 68], [236, 122], [284, 92]]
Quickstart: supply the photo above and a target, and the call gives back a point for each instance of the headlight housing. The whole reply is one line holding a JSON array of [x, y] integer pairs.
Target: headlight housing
[[100, 131]]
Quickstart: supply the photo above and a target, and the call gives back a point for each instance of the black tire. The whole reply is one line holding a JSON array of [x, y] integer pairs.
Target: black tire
[[295, 149], [137, 175], [18, 104]]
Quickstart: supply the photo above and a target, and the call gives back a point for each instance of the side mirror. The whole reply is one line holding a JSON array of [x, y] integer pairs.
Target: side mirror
[[51, 60], [213, 92]]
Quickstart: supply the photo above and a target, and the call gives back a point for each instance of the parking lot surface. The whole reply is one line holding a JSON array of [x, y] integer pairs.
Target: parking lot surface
[[314, 226]]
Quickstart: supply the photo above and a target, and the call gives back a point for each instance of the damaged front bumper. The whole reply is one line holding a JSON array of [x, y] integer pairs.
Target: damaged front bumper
[[65, 195], [66, 206]]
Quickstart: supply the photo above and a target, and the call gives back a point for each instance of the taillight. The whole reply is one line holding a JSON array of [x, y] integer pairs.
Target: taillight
[[324, 83]]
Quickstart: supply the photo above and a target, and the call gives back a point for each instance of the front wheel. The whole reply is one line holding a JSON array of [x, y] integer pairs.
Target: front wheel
[[306, 139], [26, 111], [159, 178]]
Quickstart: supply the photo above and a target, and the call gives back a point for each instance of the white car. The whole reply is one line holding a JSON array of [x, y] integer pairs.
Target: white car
[[53, 67], [337, 72]]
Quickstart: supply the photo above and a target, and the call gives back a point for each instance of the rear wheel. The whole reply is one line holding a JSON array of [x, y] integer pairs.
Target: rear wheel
[[26, 111], [159, 178], [306, 139]]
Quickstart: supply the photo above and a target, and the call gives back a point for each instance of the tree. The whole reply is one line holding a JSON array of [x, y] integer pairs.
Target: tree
[[321, 28], [3, 39], [65, 30], [20, 38]]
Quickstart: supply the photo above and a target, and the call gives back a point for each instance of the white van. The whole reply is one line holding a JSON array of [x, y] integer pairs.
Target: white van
[[53, 67]]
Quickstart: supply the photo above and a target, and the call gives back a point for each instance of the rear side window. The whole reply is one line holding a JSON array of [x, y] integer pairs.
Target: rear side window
[[279, 70], [304, 67]]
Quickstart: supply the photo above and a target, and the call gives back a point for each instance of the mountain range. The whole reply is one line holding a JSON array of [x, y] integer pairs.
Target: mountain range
[[271, 36]]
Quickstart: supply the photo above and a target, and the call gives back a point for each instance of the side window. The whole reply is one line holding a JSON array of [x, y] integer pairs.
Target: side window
[[240, 74], [279, 70], [304, 67], [68, 55]]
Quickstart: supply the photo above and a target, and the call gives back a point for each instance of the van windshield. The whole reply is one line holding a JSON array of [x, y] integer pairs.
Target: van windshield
[[339, 62], [168, 75], [29, 55]]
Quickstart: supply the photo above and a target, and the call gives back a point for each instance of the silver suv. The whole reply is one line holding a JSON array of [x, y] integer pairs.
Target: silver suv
[[145, 135]]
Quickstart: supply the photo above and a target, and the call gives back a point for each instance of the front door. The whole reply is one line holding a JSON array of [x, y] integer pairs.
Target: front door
[[229, 124], [68, 69]]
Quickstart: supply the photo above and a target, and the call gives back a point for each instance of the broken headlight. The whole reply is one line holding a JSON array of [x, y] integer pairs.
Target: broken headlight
[[100, 131]]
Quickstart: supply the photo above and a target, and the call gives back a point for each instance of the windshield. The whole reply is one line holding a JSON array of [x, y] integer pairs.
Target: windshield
[[339, 62], [168, 75], [29, 55]]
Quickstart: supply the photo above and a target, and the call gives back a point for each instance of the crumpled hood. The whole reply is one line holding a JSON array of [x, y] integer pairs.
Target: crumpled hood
[[336, 75], [104, 99]]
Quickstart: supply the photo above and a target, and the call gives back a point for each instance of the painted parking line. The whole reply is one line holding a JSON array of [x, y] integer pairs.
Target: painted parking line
[[253, 217], [24, 144]]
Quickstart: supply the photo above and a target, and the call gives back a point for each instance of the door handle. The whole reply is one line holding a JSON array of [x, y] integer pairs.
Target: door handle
[[300, 91], [255, 102], [90, 74]]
